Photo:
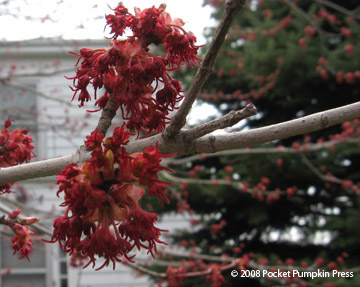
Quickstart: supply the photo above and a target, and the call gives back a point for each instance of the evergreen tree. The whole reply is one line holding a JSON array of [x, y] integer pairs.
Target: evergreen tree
[[294, 201]]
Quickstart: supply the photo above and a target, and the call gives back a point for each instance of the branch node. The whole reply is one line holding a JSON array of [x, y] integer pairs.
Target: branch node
[[235, 4], [324, 121], [228, 120]]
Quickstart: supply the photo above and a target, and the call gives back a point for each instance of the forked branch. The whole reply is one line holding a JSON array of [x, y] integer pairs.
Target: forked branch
[[205, 69]]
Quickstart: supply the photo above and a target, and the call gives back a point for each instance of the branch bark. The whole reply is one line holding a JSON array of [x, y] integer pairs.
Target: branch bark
[[228, 120], [212, 144], [108, 113], [205, 144], [42, 168]]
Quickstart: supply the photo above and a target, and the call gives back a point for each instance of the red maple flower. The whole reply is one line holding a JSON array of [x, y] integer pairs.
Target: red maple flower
[[215, 276], [15, 147], [139, 228], [21, 242], [137, 79], [175, 276], [103, 217]]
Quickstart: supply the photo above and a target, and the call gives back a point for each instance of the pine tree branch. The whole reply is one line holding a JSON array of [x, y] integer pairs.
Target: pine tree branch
[[354, 12], [205, 69]]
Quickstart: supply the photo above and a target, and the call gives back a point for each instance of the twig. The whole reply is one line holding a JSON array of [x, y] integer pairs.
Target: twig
[[176, 179], [228, 120], [205, 69], [318, 173], [39, 227], [310, 147], [107, 115], [304, 15], [340, 8], [303, 125], [185, 274]]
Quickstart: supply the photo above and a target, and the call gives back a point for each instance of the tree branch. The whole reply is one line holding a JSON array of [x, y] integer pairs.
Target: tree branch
[[205, 144], [108, 113], [341, 9], [309, 147], [212, 144], [205, 69], [228, 120], [279, 131], [41, 168]]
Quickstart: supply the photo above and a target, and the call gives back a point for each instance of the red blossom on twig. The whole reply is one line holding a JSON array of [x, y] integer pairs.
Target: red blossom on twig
[[15, 148], [103, 217], [137, 79], [21, 242]]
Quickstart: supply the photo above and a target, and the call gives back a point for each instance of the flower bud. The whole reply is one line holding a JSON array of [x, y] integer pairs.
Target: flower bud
[[15, 213], [27, 220]]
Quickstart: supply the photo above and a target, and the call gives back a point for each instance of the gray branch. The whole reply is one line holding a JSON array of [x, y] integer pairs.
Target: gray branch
[[205, 144]]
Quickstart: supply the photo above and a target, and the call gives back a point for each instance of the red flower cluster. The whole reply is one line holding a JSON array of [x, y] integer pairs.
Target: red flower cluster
[[155, 26], [137, 79], [15, 147], [175, 276], [215, 276], [21, 242], [103, 217]]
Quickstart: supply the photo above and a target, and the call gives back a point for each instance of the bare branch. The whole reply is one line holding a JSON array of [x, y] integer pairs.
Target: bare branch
[[228, 120], [41, 168], [310, 147], [303, 125], [234, 184], [212, 144], [205, 144], [318, 173], [205, 69]]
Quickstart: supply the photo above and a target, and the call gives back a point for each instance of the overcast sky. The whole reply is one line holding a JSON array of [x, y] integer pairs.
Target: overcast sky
[[53, 18]]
